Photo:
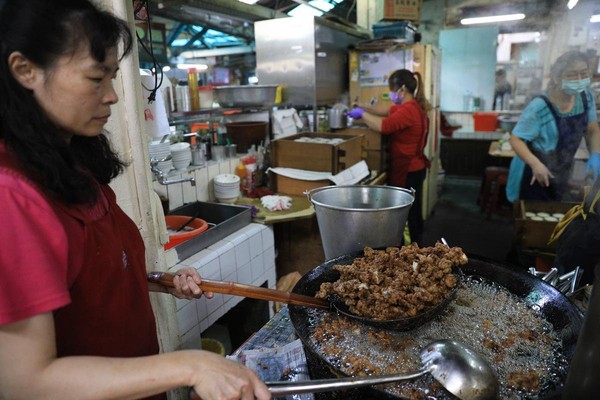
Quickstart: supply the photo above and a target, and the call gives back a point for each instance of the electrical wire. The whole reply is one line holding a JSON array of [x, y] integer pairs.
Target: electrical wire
[[156, 65], [350, 10]]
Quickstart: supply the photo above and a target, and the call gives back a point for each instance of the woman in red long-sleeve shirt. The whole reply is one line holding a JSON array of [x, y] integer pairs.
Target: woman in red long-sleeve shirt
[[407, 124]]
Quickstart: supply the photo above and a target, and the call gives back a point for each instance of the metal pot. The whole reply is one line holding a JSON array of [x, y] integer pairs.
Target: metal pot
[[337, 118], [507, 122], [553, 305]]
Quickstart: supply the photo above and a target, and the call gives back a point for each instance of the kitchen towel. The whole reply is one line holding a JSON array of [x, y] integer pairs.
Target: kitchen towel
[[159, 218], [350, 176]]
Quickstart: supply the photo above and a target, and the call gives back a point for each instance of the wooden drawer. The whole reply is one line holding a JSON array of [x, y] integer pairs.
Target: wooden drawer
[[295, 187], [323, 157], [373, 139]]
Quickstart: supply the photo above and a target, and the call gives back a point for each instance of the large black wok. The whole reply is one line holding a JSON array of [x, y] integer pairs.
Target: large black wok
[[556, 308]]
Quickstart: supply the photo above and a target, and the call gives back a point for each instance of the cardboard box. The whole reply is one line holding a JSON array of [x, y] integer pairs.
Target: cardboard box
[[295, 187], [408, 10], [532, 234], [323, 157]]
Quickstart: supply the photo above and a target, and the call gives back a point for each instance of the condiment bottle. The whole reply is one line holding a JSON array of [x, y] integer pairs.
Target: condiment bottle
[[240, 171], [193, 86]]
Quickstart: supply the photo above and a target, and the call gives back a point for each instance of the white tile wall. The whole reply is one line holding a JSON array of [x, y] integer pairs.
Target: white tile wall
[[181, 193], [246, 256]]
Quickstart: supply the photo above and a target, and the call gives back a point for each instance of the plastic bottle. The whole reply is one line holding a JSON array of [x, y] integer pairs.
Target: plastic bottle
[[250, 171], [193, 86], [240, 171]]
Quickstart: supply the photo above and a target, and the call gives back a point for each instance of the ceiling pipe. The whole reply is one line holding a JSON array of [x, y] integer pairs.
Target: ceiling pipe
[[223, 51], [241, 10]]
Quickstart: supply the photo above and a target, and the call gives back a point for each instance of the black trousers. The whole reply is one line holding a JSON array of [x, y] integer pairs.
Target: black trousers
[[415, 215]]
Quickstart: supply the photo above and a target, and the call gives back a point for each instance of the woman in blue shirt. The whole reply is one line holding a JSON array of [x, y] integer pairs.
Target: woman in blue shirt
[[550, 130]]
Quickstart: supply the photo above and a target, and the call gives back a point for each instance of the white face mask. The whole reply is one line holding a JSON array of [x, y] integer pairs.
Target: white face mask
[[574, 87]]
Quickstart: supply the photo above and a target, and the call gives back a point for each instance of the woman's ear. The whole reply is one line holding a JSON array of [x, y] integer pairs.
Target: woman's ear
[[23, 70]]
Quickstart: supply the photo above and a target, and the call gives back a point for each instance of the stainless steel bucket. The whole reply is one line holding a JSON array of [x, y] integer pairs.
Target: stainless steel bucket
[[352, 217]]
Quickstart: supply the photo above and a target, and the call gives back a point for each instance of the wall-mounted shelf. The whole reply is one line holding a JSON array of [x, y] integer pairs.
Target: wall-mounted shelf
[[207, 114]]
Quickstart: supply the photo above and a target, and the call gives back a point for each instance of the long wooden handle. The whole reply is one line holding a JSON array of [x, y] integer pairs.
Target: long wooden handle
[[240, 289]]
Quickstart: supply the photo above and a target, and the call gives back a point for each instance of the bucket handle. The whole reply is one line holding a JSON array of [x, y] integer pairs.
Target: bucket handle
[[310, 192]]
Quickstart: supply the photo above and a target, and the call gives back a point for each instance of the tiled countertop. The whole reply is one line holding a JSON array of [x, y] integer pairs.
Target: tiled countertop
[[246, 256]]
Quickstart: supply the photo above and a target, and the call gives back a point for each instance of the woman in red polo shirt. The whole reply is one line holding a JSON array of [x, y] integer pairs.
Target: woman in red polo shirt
[[75, 315], [407, 124]]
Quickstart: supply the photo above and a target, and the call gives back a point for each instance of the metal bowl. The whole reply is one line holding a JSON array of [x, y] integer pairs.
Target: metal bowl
[[246, 96]]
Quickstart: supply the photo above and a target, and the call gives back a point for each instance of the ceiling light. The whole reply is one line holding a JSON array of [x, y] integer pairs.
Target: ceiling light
[[494, 18], [248, 1], [199, 67], [571, 4], [595, 18]]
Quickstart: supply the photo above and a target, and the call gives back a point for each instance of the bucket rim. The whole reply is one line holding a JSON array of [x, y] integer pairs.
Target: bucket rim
[[410, 191]]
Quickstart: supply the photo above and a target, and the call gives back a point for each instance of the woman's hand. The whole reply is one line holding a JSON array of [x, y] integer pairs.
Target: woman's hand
[[593, 165], [541, 174], [221, 379], [187, 285]]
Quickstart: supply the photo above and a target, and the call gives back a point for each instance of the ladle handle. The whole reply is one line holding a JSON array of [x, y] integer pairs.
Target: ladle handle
[[240, 289], [327, 385]]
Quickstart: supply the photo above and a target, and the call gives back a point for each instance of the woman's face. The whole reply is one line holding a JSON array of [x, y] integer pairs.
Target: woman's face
[[77, 92], [576, 71]]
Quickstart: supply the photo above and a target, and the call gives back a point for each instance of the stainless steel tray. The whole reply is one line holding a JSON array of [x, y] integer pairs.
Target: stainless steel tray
[[246, 95], [226, 218]]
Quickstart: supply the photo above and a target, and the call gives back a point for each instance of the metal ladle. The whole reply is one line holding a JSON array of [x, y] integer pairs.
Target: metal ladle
[[462, 371]]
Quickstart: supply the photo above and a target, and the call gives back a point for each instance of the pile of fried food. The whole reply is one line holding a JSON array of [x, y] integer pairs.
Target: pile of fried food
[[396, 282]]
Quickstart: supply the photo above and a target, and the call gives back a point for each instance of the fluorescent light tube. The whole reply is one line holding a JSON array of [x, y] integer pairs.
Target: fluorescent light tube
[[494, 18], [595, 18], [199, 67], [571, 4], [249, 1]]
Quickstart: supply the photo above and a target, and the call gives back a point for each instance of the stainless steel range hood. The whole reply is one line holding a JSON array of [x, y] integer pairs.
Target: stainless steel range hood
[[307, 56]]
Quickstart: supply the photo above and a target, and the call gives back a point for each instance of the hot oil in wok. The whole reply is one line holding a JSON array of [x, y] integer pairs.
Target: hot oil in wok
[[486, 317]]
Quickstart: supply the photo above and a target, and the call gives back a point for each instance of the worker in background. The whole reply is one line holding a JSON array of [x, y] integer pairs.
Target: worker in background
[[550, 130], [75, 315], [502, 91], [407, 124]]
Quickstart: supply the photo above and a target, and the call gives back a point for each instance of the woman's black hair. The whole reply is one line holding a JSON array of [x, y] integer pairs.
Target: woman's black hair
[[412, 82], [43, 31]]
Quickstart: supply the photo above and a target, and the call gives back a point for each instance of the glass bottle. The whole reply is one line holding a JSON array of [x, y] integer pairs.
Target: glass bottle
[[193, 86]]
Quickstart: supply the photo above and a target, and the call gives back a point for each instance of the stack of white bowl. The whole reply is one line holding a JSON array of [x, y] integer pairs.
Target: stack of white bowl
[[159, 151], [227, 188], [181, 154]]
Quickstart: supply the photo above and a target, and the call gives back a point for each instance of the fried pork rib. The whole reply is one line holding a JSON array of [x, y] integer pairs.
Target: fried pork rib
[[396, 282]]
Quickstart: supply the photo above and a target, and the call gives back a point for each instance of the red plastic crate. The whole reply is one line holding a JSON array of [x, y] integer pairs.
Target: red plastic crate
[[485, 121]]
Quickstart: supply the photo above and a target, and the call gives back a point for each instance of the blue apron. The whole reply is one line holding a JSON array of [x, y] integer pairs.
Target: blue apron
[[571, 130]]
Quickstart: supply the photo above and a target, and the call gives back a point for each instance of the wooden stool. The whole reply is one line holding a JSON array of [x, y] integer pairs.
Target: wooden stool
[[495, 205], [488, 184]]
